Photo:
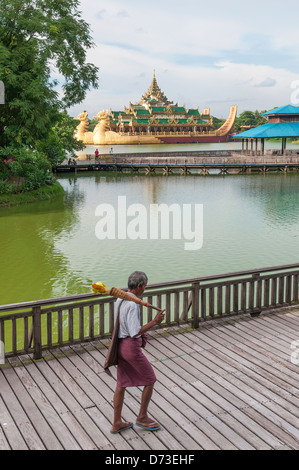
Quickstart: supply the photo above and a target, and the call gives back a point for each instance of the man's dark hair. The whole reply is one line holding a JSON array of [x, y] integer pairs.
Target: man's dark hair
[[137, 278]]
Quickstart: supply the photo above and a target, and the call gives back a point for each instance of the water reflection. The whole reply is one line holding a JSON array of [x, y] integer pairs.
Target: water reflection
[[279, 197], [237, 231], [31, 265], [50, 249]]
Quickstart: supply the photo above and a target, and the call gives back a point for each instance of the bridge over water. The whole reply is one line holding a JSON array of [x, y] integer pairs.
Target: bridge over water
[[200, 162]]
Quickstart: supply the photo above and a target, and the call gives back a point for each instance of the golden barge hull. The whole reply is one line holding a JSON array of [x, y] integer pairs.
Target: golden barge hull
[[102, 135]]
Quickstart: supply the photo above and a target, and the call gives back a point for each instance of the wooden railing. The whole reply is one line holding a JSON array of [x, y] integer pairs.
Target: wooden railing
[[32, 327]]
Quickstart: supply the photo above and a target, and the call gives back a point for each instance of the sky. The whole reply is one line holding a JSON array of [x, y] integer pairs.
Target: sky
[[205, 53]]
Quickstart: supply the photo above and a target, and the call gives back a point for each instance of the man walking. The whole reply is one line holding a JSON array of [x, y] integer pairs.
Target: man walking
[[133, 368]]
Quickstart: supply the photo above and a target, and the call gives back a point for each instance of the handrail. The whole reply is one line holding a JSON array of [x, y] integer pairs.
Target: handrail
[[150, 286], [31, 327]]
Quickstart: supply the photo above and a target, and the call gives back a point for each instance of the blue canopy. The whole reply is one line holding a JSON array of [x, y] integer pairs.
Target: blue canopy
[[267, 131], [274, 129], [288, 109]]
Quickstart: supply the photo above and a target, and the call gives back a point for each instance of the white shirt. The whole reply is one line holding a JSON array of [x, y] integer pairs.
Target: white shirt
[[129, 318]]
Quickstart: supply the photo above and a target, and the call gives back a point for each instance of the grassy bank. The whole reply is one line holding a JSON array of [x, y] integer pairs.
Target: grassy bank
[[41, 194]]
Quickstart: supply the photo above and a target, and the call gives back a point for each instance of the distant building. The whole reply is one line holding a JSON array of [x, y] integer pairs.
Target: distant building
[[155, 119], [282, 123]]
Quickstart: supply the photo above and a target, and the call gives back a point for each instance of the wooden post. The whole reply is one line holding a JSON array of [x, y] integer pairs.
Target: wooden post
[[295, 288], [37, 333], [195, 304], [284, 145], [262, 146], [2, 343], [255, 291]]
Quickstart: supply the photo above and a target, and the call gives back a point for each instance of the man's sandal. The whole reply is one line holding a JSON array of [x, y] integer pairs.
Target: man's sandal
[[122, 429], [149, 428]]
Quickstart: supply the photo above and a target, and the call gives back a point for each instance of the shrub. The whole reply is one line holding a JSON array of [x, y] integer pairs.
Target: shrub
[[4, 187], [23, 169]]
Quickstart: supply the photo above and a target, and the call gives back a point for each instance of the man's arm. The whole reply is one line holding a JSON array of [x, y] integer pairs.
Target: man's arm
[[158, 319]]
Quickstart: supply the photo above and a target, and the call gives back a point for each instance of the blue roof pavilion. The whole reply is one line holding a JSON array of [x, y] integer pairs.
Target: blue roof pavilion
[[283, 110], [269, 131], [282, 123]]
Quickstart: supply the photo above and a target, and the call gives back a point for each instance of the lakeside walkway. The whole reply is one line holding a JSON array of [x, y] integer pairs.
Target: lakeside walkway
[[186, 162], [231, 384]]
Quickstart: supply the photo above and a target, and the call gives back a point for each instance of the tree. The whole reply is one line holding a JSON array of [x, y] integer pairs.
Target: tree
[[35, 36], [40, 39], [249, 119], [60, 142], [217, 122]]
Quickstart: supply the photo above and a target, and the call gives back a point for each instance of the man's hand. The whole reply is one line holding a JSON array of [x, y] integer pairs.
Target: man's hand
[[159, 317]]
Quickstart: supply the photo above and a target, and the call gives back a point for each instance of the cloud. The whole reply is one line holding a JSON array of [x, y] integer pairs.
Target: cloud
[[203, 53], [268, 82], [100, 14], [122, 14], [124, 46]]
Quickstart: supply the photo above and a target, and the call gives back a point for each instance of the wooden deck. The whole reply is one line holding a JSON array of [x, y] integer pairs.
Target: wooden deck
[[231, 384]]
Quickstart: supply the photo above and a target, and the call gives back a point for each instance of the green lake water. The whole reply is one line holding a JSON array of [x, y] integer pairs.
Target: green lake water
[[50, 249]]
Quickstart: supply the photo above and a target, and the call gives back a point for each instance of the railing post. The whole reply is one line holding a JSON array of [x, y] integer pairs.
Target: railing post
[[255, 287], [295, 288], [37, 333], [2, 344], [195, 304]]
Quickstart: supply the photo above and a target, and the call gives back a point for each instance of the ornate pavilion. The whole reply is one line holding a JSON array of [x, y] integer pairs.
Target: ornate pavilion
[[155, 113], [153, 120]]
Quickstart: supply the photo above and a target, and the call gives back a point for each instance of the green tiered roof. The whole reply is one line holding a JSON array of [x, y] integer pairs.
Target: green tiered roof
[[142, 121], [142, 111], [159, 109], [118, 113], [154, 109], [193, 112], [178, 110]]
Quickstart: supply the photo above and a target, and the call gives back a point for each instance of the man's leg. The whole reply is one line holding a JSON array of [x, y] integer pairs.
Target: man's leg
[[143, 418], [118, 402]]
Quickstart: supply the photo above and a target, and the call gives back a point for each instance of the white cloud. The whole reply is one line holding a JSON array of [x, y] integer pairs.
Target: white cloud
[[205, 54], [268, 82]]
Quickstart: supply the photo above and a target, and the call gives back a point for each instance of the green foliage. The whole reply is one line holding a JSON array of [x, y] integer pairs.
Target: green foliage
[[92, 124], [249, 119], [217, 123], [39, 38], [4, 187], [23, 170], [41, 194], [60, 142]]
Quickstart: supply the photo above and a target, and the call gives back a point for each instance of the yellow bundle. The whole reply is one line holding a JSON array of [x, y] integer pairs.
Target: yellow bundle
[[100, 288]]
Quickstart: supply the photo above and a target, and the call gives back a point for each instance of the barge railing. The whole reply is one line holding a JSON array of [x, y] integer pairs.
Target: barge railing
[[32, 327]]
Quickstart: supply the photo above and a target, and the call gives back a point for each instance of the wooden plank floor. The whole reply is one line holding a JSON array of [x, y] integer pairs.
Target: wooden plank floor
[[231, 384]]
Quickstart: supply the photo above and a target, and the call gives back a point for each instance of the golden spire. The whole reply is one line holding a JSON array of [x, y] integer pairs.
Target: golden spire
[[154, 89], [154, 93]]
